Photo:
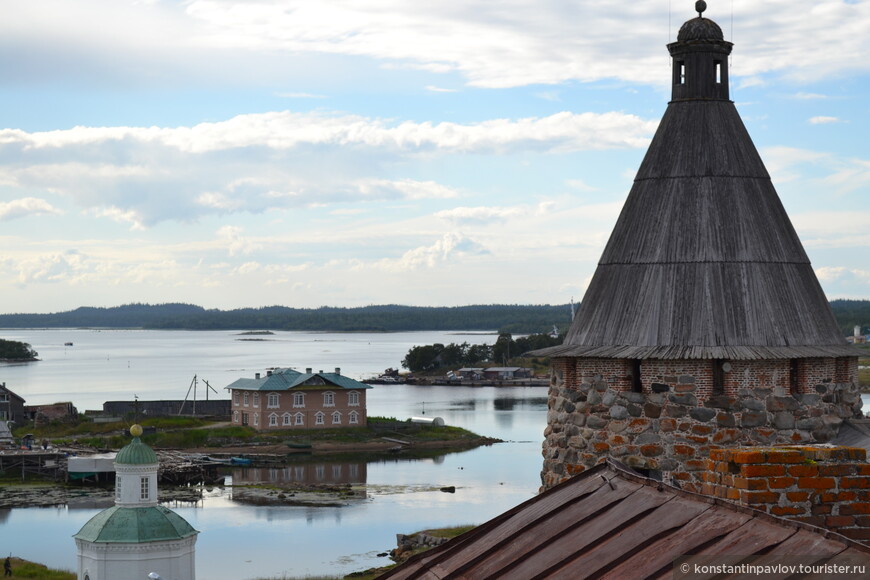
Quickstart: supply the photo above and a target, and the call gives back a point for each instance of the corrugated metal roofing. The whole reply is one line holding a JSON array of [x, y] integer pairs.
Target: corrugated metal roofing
[[703, 261], [286, 379], [610, 523]]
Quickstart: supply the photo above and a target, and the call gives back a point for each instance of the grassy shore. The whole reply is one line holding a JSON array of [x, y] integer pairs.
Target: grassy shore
[[24, 569], [187, 433]]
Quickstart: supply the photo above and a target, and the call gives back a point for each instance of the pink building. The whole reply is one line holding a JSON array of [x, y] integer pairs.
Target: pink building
[[288, 399]]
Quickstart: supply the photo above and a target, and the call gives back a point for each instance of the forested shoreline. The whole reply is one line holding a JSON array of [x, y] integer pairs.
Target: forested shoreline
[[385, 318], [512, 318]]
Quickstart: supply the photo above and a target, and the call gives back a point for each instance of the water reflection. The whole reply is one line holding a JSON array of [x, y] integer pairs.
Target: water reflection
[[317, 473]]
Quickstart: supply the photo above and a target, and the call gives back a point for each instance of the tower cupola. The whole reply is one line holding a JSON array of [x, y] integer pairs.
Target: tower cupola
[[700, 60]]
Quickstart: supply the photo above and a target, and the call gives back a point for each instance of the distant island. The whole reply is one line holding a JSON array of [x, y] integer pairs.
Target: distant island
[[505, 318], [14, 351]]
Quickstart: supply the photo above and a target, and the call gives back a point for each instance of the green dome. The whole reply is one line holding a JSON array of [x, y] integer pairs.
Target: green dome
[[136, 453], [117, 525]]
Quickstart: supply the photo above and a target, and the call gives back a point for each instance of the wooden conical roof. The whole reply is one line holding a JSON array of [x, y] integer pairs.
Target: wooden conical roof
[[703, 261]]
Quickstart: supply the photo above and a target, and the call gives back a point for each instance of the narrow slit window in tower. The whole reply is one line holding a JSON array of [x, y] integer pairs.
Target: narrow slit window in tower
[[679, 72], [718, 377], [794, 376], [718, 64], [636, 383]]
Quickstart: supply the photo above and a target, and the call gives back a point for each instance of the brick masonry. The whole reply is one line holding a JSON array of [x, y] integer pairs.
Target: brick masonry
[[679, 414], [824, 486]]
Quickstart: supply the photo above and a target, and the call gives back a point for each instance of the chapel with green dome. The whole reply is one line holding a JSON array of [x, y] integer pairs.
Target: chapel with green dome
[[136, 536]]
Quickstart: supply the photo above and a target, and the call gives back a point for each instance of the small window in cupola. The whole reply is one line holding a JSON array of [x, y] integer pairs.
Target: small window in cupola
[[718, 67], [679, 72]]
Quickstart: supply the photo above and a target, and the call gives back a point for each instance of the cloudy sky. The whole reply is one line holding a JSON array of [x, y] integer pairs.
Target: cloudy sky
[[352, 152]]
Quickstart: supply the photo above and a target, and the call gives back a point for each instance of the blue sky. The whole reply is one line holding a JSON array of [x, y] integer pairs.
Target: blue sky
[[353, 152]]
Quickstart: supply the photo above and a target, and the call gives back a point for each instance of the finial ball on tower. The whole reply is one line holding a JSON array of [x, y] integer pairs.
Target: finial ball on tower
[[136, 430], [700, 6]]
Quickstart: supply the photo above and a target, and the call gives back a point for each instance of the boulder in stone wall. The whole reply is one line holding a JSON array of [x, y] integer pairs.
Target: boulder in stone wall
[[633, 397], [753, 404], [618, 412], [724, 402], [702, 414], [809, 399], [646, 438], [726, 420], [753, 418], [783, 420], [775, 404], [595, 422], [683, 399], [808, 424]]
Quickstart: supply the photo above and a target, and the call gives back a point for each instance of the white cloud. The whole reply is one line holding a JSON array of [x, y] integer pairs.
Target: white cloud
[[26, 206], [278, 160], [809, 96], [237, 243], [479, 215], [822, 120], [501, 44], [451, 246]]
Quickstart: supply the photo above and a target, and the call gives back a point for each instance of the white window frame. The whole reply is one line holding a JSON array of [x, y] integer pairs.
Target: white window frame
[[329, 399], [319, 418], [235, 416], [286, 419], [236, 398], [353, 399], [298, 400], [256, 400], [299, 419], [256, 419], [144, 488], [336, 417], [245, 399], [354, 418], [274, 401], [273, 419]]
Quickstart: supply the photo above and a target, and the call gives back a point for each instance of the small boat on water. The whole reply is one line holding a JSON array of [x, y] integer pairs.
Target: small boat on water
[[67, 344], [240, 461], [298, 445]]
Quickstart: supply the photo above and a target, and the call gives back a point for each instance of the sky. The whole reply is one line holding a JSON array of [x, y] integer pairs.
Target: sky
[[351, 152]]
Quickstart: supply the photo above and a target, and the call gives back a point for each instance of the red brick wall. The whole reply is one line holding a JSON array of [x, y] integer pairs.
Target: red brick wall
[[827, 487], [259, 412]]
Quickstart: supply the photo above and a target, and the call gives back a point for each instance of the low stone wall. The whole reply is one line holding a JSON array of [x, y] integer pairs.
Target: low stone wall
[[408, 545], [670, 427]]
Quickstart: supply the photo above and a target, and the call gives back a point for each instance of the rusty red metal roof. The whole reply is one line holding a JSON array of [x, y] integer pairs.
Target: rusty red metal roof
[[611, 523]]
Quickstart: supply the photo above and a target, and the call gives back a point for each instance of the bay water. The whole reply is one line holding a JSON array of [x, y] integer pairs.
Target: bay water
[[242, 541]]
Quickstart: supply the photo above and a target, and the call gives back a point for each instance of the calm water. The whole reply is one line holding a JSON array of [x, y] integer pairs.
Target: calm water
[[239, 541], [242, 541]]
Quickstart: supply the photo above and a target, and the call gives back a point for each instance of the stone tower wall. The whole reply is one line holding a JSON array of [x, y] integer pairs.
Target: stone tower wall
[[671, 424]]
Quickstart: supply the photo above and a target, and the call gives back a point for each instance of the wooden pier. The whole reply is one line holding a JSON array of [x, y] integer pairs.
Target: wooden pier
[[42, 464]]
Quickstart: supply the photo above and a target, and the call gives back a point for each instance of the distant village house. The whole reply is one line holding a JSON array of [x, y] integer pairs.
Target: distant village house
[[286, 398], [11, 406], [494, 373], [44, 414]]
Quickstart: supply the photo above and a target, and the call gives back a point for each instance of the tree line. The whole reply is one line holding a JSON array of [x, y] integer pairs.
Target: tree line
[[383, 318], [437, 356], [14, 350], [513, 318]]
